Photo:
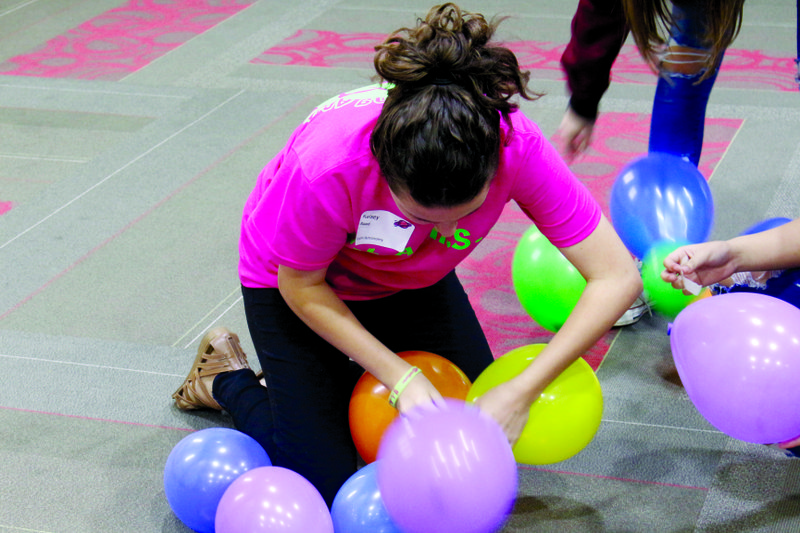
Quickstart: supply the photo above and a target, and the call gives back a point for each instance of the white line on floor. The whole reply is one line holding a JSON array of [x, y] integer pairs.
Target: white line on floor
[[194, 340], [205, 317], [15, 8], [661, 426], [89, 365], [123, 167]]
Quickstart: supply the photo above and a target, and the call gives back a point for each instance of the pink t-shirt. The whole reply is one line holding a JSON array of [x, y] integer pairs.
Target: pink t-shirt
[[322, 203]]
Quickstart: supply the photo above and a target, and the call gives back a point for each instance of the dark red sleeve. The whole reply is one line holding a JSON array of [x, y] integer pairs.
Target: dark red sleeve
[[598, 31]]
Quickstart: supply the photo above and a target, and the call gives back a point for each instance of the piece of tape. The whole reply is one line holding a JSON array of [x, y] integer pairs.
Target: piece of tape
[[691, 286]]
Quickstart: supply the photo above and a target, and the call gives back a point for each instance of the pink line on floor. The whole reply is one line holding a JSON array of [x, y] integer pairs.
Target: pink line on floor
[[95, 419], [103, 244], [145, 214]]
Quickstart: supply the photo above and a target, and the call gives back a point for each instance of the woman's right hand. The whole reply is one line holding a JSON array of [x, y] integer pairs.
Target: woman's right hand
[[419, 392], [704, 263]]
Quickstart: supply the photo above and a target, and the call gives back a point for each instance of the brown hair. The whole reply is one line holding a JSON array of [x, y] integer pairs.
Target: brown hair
[[438, 134], [650, 22]]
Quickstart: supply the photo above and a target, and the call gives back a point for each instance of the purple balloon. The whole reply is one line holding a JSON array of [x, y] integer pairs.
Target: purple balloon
[[272, 498], [738, 356], [448, 470]]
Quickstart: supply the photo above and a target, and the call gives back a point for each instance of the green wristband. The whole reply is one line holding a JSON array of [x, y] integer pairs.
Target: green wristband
[[401, 385]]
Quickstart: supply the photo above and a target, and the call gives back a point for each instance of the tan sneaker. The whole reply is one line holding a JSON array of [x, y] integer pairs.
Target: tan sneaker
[[219, 352]]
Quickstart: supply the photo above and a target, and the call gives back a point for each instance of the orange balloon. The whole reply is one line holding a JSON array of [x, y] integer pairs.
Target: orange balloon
[[370, 412], [705, 293]]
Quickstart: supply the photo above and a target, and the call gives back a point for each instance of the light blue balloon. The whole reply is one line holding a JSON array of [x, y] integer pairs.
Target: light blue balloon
[[765, 225], [358, 506], [660, 197], [202, 466]]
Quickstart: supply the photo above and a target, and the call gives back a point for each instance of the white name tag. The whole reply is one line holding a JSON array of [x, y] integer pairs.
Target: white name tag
[[383, 228]]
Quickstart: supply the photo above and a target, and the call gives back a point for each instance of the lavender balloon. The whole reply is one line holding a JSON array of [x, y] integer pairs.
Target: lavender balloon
[[738, 356], [448, 470], [272, 498]]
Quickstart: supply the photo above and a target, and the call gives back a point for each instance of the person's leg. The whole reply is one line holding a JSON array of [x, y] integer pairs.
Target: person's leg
[[679, 106], [437, 319], [219, 353], [305, 428], [309, 382], [678, 121], [247, 402]]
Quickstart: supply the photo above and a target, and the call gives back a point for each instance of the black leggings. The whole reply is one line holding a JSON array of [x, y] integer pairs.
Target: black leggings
[[302, 418]]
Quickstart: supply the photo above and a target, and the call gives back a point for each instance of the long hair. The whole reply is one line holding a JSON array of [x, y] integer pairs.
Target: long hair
[[438, 135], [650, 22]]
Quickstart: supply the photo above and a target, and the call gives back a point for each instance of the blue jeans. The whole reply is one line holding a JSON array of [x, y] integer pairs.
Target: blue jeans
[[679, 107], [301, 419]]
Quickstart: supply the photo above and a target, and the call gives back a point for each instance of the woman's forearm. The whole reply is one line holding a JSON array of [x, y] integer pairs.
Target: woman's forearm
[[613, 283], [315, 303], [778, 248], [600, 305]]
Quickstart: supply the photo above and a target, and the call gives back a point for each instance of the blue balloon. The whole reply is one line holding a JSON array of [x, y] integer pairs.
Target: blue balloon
[[358, 506], [660, 197], [765, 225], [201, 466]]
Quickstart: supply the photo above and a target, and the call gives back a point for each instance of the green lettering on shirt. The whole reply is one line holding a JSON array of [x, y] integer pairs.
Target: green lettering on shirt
[[461, 239]]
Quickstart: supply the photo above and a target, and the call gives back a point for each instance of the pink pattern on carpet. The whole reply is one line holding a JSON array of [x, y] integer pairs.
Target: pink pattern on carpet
[[122, 40], [750, 69], [486, 274], [5, 207]]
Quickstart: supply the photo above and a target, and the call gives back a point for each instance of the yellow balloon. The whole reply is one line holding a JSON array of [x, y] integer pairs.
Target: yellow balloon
[[563, 420]]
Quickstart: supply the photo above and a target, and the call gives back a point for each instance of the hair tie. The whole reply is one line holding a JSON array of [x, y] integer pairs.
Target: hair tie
[[442, 81], [438, 77]]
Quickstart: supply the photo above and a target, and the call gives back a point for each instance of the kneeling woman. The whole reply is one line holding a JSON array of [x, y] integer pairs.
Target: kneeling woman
[[351, 238]]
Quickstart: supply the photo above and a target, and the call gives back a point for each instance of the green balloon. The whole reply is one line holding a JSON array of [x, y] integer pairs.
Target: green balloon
[[546, 283], [663, 297]]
